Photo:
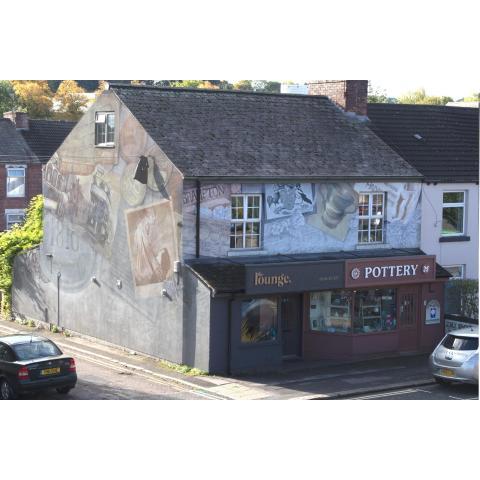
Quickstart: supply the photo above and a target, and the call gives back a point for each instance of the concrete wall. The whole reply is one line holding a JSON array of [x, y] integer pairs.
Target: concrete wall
[[450, 253], [320, 217], [110, 243]]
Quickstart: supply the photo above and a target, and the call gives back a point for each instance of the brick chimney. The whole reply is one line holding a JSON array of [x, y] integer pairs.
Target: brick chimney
[[19, 119], [350, 95]]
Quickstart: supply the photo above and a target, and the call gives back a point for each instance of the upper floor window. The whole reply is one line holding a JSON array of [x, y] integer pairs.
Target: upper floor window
[[457, 271], [246, 221], [104, 129], [453, 213], [13, 217], [371, 213], [15, 181]]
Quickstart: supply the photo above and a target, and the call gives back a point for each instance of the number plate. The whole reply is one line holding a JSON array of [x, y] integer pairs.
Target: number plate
[[447, 372], [50, 371]]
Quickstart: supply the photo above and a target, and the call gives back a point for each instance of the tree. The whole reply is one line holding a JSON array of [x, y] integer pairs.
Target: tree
[[15, 241], [71, 100], [420, 97], [475, 97], [243, 85], [8, 98], [266, 86], [378, 95], [35, 96]]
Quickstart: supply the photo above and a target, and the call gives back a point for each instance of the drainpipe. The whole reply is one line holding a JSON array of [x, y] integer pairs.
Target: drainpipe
[[59, 275], [229, 334], [197, 221]]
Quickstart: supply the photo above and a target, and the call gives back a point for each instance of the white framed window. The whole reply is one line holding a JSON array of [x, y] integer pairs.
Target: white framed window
[[453, 213], [371, 216], [13, 217], [16, 180], [104, 129], [457, 271], [246, 221]]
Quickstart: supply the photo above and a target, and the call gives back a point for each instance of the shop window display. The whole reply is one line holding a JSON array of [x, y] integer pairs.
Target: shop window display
[[330, 311], [374, 310], [259, 320]]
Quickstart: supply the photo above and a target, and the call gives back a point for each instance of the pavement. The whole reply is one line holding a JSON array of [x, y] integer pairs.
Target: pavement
[[296, 381]]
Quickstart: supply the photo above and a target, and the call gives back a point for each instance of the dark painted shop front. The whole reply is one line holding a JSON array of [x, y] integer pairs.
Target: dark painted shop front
[[343, 309]]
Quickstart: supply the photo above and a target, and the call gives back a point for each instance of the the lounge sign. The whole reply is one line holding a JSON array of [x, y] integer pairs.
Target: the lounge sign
[[293, 277], [389, 271]]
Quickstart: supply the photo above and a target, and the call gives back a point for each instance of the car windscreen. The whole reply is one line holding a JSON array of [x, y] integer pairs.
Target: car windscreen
[[455, 342], [36, 349]]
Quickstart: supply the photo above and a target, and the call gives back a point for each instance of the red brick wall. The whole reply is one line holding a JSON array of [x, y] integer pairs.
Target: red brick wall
[[351, 95], [33, 186]]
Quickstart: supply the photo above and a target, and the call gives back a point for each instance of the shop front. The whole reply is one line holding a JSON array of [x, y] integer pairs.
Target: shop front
[[345, 308]]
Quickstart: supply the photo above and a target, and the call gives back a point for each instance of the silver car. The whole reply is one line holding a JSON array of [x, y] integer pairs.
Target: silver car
[[456, 357]]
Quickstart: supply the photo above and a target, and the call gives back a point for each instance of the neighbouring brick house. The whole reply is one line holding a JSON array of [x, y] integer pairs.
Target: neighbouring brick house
[[25, 146], [232, 231]]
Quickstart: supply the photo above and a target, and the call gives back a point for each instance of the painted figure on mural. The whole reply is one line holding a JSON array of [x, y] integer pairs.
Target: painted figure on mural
[[287, 199], [151, 264]]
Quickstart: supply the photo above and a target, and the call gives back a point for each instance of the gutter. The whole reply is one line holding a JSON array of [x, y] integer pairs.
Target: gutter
[[310, 179]]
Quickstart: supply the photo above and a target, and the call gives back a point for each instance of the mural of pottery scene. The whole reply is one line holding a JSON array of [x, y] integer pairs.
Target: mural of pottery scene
[[112, 221], [307, 217]]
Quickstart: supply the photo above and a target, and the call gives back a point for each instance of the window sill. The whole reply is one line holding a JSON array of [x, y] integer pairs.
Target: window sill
[[112, 145], [366, 246], [454, 238], [239, 252]]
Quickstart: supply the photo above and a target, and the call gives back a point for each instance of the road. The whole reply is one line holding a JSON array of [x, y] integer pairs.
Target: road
[[428, 392], [99, 379]]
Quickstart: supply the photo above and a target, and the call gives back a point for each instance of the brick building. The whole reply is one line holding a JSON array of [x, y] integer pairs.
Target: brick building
[[25, 145]]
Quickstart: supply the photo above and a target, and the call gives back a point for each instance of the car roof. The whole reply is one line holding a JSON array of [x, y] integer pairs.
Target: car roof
[[466, 332], [22, 338]]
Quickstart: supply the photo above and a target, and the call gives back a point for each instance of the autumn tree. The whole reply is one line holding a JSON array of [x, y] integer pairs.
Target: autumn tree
[[71, 100], [35, 97], [8, 98], [420, 97], [243, 85]]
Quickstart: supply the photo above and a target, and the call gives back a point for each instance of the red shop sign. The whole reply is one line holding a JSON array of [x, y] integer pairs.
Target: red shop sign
[[389, 271]]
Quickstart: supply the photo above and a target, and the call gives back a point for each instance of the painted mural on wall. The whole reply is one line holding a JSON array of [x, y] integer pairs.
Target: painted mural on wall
[[152, 243], [303, 217], [93, 200], [215, 213], [283, 200]]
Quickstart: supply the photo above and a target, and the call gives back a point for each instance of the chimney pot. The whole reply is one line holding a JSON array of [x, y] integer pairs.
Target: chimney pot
[[19, 119]]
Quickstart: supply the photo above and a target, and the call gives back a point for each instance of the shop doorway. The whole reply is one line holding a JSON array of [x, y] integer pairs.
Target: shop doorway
[[291, 318], [408, 318]]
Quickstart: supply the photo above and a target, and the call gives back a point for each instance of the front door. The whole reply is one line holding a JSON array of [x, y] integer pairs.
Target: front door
[[290, 316], [408, 318]]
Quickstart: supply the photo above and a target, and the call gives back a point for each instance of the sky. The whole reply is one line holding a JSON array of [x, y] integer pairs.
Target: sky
[[459, 88]]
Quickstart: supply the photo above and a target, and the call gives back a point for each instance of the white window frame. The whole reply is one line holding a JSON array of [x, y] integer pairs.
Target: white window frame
[[246, 220], [8, 168], [9, 212], [106, 115], [453, 205], [462, 268], [370, 217]]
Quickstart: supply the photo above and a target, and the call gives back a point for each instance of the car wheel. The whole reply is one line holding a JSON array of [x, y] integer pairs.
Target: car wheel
[[63, 390], [6, 391], [441, 381]]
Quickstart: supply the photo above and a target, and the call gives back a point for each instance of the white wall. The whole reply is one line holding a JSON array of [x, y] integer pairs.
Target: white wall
[[450, 253]]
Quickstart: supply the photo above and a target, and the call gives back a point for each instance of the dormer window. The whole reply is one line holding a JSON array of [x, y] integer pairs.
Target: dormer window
[[105, 129]]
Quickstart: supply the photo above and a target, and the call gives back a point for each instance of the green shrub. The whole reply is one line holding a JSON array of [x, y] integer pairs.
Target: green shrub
[[14, 241]]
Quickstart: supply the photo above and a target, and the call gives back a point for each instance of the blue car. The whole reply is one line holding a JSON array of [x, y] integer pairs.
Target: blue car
[[29, 363]]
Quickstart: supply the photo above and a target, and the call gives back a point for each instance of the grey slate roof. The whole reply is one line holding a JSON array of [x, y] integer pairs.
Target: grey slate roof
[[227, 275], [448, 148], [45, 136], [217, 133], [13, 147]]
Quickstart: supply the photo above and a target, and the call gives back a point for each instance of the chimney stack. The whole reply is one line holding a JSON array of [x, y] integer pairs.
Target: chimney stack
[[350, 95], [19, 119]]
